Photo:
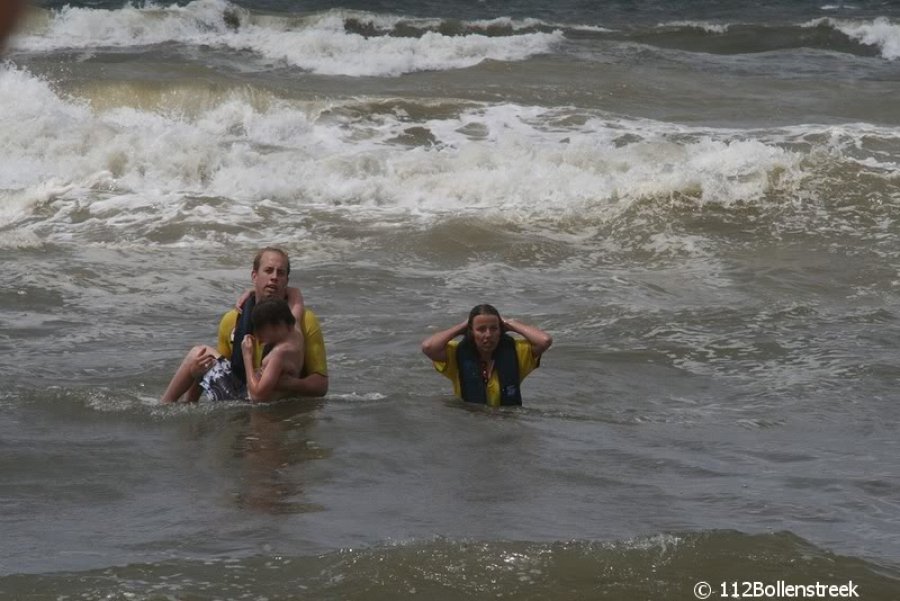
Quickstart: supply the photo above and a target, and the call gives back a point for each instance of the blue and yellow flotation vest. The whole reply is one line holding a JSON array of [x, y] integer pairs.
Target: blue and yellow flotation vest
[[506, 362], [243, 326]]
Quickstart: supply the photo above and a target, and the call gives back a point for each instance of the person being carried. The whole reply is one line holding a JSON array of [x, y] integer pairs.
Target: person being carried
[[222, 373], [273, 326], [294, 299], [488, 365]]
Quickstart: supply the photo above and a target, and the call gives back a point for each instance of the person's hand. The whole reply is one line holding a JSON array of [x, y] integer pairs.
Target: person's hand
[[294, 297], [202, 363], [509, 325], [241, 300], [248, 344]]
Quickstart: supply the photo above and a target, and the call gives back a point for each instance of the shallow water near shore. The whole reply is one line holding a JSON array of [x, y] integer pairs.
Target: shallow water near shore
[[699, 202]]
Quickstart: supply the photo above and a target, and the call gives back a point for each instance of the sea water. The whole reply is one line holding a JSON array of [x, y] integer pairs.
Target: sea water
[[700, 201]]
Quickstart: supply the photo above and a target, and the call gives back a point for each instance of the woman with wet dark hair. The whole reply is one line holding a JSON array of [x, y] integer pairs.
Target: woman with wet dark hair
[[488, 365]]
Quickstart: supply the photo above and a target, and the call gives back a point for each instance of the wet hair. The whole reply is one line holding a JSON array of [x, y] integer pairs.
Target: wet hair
[[271, 312], [484, 309], [271, 249]]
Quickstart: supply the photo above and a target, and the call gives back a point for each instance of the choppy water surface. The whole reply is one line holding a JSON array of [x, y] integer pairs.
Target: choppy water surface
[[700, 202]]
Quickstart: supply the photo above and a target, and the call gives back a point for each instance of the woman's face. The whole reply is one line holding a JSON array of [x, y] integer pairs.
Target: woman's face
[[486, 330]]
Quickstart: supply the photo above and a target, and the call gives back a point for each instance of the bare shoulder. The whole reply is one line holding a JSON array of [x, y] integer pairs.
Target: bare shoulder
[[288, 354]]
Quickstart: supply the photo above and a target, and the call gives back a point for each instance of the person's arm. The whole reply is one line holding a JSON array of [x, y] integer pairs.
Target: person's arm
[[539, 339], [313, 382], [293, 296], [261, 387], [226, 331], [313, 385], [243, 298], [435, 346], [297, 305]]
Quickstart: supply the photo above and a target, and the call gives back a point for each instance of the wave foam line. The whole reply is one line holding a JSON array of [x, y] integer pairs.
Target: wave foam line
[[321, 44], [705, 26]]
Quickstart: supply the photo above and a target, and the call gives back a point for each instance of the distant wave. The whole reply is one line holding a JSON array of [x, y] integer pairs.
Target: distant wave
[[880, 33], [705, 26], [879, 37], [335, 42], [360, 43]]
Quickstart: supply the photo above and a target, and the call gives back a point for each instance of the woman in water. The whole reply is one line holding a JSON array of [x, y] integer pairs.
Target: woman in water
[[487, 365]]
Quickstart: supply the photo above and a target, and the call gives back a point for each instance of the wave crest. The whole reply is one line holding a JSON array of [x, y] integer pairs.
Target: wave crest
[[235, 166], [880, 33]]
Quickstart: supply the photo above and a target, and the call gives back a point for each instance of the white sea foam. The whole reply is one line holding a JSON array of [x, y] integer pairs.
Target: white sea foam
[[320, 43], [13, 239], [234, 172], [881, 33], [329, 50], [357, 397], [520, 24], [706, 26]]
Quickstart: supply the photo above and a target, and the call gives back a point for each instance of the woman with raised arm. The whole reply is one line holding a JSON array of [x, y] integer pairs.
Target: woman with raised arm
[[488, 365]]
